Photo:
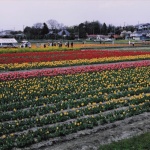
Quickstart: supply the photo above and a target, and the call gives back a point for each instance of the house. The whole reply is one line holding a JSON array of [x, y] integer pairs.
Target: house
[[140, 35], [92, 36], [64, 32], [126, 34], [102, 36], [117, 37], [142, 32], [8, 42], [97, 37], [6, 33], [142, 27]]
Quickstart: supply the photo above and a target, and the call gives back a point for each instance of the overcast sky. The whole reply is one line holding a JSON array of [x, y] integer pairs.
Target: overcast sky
[[16, 14]]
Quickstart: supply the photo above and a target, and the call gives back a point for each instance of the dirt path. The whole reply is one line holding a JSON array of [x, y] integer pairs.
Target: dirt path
[[91, 139]]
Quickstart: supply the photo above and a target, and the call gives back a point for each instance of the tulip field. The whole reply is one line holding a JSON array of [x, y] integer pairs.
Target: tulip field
[[44, 95], [34, 60]]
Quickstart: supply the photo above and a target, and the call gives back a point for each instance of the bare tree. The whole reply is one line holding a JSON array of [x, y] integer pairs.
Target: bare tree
[[52, 24], [61, 26], [38, 25]]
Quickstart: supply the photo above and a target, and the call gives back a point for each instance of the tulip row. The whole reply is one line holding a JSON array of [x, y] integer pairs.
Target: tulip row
[[75, 84], [53, 114], [34, 136], [38, 65], [8, 58], [80, 97], [27, 113], [70, 70]]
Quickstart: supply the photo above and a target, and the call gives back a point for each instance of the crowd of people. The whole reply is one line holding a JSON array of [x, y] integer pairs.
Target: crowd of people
[[59, 44]]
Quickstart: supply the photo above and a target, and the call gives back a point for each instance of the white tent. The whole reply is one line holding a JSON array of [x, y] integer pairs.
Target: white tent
[[8, 40]]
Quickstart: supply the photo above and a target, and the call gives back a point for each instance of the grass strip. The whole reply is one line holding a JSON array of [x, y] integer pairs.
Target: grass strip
[[140, 142]]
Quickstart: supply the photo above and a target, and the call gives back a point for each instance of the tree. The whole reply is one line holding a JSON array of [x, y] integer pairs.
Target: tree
[[129, 28], [118, 30], [104, 29], [89, 27], [93, 27], [45, 29], [96, 26], [28, 32], [82, 30], [60, 26], [111, 29]]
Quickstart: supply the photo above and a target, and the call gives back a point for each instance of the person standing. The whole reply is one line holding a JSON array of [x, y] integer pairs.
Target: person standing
[[132, 43], [71, 44], [68, 43]]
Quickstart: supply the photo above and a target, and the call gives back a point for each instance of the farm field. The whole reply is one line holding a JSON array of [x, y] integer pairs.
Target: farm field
[[76, 46], [50, 97]]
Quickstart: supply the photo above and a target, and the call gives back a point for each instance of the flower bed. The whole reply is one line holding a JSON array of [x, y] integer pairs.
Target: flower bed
[[72, 70], [42, 107], [23, 57], [40, 104], [38, 65]]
